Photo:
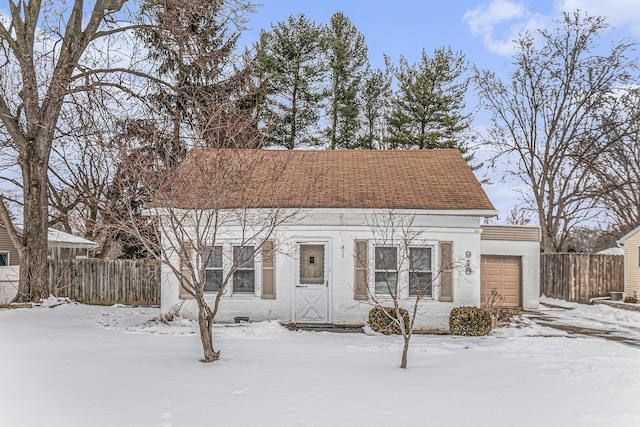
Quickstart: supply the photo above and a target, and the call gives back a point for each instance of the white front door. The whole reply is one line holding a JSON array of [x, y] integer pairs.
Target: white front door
[[311, 285]]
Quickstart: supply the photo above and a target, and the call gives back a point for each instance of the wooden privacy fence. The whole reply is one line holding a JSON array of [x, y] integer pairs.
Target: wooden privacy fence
[[106, 282], [579, 277]]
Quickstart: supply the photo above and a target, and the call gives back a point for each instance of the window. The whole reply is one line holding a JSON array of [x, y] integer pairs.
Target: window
[[244, 278], [386, 270], [213, 269], [4, 259], [420, 272]]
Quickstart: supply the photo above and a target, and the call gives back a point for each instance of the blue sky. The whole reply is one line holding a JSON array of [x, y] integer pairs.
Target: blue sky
[[482, 29]]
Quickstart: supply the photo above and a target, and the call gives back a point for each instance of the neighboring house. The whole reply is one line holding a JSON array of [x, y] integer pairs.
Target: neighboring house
[[60, 245], [631, 245], [309, 272], [611, 251]]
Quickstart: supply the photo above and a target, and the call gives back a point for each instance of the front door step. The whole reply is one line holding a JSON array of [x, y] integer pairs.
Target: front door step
[[326, 327]]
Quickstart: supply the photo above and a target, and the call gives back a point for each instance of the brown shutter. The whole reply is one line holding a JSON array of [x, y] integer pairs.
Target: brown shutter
[[446, 271], [186, 261], [268, 270], [361, 284]]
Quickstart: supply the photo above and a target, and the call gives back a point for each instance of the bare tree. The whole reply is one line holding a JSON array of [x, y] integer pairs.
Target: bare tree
[[591, 239], [213, 195], [518, 215], [49, 52], [546, 119], [403, 270], [618, 169], [63, 66]]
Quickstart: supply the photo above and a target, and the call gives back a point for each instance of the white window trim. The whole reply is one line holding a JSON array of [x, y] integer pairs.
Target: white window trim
[[255, 269], [206, 268], [403, 270], [433, 262], [227, 262], [398, 271]]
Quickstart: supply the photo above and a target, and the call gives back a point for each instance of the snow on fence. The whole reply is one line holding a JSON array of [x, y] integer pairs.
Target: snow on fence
[[579, 277], [106, 282]]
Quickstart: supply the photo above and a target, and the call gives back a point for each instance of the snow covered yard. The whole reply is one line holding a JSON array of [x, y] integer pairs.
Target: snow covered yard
[[78, 365]]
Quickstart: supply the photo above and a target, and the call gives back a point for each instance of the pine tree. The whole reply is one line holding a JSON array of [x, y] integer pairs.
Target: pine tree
[[347, 56], [193, 47], [427, 109], [290, 69], [374, 102]]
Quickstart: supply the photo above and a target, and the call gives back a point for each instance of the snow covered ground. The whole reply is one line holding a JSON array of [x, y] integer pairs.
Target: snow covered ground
[[79, 365]]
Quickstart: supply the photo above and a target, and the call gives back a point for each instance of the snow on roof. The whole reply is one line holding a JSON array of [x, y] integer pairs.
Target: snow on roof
[[612, 251], [61, 239], [66, 240]]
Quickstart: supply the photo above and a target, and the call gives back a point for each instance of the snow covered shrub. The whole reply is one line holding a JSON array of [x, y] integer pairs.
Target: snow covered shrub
[[470, 321], [631, 299], [382, 319]]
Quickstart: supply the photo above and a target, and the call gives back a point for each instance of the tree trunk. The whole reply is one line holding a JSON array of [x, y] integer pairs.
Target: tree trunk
[[33, 264], [206, 335], [405, 351]]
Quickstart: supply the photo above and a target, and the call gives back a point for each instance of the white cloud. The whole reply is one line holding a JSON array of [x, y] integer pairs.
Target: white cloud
[[484, 18], [500, 22], [619, 13]]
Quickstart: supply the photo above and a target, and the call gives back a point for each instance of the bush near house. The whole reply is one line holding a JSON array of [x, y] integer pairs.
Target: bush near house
[[631, 299], [382, 319], [470, 321]]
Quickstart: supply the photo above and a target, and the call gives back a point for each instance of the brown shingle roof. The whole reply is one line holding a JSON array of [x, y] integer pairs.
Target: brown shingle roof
[[400, 179]]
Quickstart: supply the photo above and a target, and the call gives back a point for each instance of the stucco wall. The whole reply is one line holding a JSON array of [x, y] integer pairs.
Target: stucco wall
[[339, 229]]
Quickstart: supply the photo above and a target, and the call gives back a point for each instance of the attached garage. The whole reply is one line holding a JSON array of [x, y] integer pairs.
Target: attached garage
[[501, 274], [510, 264]]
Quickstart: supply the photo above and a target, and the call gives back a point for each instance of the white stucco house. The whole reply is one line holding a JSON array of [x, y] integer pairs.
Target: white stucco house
[[324, 264]]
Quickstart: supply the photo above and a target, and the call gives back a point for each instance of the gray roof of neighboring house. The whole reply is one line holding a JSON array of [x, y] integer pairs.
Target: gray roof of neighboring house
[[61, 239], [66, 240], [612, 251]]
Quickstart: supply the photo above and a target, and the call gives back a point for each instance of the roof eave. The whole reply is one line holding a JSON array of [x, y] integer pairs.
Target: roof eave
[[621, 240]]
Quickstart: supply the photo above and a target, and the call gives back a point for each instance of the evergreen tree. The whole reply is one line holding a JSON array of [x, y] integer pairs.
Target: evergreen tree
[[427, 109], [374, 102], [193, 47], [290, 69], [347, 56]]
